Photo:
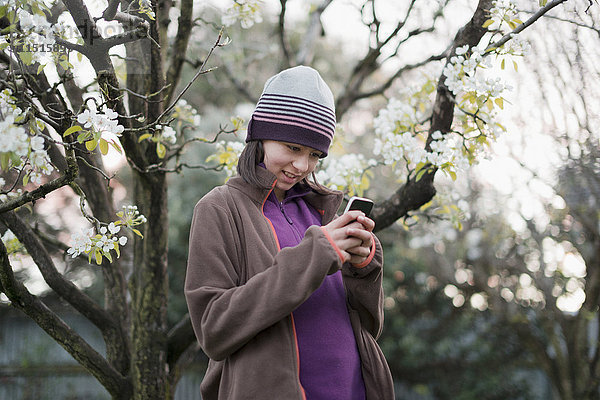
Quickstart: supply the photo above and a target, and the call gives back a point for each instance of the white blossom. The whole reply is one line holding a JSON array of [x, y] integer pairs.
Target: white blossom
[[113, 229], [345, 172], [247, 12], [82, 242], [169, 134], [105, 122]]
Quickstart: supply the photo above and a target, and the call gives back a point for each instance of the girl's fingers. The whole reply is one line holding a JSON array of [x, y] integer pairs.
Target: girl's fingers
[[366, 237], [359, 251], [345, 219], [366, 222], [349, 243]]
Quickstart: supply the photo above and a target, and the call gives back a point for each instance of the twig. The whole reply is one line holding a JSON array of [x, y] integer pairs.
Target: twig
[[201, 71], [524, 25]]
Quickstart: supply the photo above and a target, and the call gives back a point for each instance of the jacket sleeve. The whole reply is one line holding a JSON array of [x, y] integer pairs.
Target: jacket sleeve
[[226, 314], [365, 290]]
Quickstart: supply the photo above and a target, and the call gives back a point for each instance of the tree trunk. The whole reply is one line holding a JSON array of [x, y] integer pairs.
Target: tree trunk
[[149, 289]]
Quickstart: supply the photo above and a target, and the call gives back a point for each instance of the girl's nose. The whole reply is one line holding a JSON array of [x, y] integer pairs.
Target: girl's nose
[[301, 163]]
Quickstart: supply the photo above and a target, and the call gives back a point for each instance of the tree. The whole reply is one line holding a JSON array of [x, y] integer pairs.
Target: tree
[[536, 273], [57, 129]]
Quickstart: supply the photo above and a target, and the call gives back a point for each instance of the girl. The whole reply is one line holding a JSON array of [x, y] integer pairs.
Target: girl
[[285, 299]]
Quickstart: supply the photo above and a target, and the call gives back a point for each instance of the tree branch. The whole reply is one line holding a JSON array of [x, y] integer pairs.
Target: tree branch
[[285, 48], [116, 384], [201, 71], [382, 88], [63, 287], [41, 191], [537, 15], [179, 338], [414, 194], [184, 30], [315, 28]]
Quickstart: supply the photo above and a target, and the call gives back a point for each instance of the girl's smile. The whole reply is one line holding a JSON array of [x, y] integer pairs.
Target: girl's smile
[[289, 162]]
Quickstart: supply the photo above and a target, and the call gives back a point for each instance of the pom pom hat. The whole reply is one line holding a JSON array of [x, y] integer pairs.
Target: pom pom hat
[[296, 106]]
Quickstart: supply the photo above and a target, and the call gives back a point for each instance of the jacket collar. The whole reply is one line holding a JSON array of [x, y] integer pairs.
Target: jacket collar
[[326, 203]]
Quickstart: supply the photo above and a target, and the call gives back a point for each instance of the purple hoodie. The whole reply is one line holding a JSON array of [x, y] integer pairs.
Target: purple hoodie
[[329, 360]]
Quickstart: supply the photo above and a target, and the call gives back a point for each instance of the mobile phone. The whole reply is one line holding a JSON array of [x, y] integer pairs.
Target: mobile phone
[[359, 203]]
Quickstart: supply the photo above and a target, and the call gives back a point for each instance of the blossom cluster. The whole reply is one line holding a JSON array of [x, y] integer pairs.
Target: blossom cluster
[[101, 123], [168, 135], [130, 217], [85, 242], [245, 11], [34, 41], [18, 148], [97, 125], [502, 11], [36, 32], [348, 172], [101, 244], [516, 46], [227, 154], [461, 74], [186, 115]]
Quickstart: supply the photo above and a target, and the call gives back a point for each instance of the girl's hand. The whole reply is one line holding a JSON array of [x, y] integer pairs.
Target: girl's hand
[[360, 253], [351, 233], [338, 230]]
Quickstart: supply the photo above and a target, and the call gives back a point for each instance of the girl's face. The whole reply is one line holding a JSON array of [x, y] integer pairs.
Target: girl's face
[[289, 162]]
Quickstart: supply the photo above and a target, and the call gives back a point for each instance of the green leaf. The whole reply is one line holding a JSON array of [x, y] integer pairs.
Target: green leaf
[[25, 179], [420, 174], [488, 23], [98, 256], [516, 67], [144, 137], [82, 137], [108, 256], [73, 129], [500, 102], [452, 175], [137, 232], [103, 146], [26, 57], [116, 146], [40, 69], [4, 159], [161, 150], [502, 63], [91, 144]]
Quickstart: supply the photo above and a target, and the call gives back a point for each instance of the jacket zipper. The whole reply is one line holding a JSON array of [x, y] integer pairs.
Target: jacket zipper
[[297, 350], [288, 219]]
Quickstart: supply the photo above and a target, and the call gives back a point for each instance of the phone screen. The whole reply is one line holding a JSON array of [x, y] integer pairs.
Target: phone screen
[[361, 204]]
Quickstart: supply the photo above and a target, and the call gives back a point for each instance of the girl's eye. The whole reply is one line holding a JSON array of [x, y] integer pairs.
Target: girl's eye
[[315, 155], [294, 148]]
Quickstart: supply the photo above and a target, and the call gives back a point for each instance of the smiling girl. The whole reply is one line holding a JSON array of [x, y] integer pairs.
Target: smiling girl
[[285, 297]]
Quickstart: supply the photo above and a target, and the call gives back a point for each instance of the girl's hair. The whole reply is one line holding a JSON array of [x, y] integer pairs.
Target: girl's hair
[[253, 154]]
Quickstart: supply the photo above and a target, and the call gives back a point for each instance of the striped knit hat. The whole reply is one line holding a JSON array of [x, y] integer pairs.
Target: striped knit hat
[[296, 106]]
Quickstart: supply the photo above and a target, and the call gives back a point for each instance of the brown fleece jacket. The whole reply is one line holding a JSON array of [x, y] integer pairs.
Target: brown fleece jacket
[[241, 290]]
